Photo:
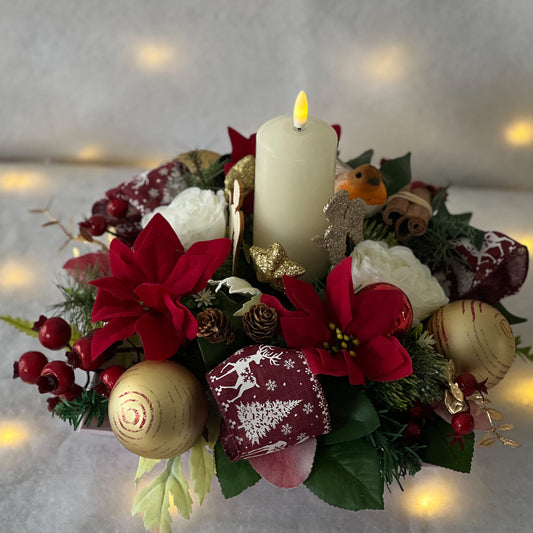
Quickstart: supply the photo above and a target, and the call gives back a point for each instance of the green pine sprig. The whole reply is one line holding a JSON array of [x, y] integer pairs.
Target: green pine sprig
[[78, 300], [376, 230], [205, 178], [424, 384], [87, 407], [398, 457]]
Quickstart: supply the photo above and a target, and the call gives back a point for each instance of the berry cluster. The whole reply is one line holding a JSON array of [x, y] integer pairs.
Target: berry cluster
[[57, 377], [96, 225]]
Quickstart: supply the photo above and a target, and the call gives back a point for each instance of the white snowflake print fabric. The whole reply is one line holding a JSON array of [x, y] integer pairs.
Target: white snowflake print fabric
[[269, 400]]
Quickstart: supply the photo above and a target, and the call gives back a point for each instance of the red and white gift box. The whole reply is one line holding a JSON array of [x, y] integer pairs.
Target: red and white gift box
[[269, 400]]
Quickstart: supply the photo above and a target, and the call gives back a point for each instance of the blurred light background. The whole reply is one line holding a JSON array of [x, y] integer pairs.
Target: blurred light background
[[134, 82]]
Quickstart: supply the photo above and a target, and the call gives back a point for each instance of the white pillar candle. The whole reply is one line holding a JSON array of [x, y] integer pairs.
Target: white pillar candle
[[294, 179]]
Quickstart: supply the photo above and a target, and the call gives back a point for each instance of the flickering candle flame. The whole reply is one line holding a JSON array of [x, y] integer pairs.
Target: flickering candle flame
[[300, 110]]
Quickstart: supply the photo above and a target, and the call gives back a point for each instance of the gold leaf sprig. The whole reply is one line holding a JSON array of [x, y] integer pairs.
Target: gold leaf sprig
[[53, 221], [495, 433]]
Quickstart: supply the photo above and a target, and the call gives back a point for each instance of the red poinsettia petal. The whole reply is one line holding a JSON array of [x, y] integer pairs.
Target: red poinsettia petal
[[320, 361], [287, 468], [95, 262], [375, 312], [241, 145], [304, 331], [384, 359], [121, 288], [339, 294], [197, 266], [355, 374], [117, 329], [152, 295], [158, 335], [108, 306], [304, 298], [182, 319], [123, 262], [157, 249]]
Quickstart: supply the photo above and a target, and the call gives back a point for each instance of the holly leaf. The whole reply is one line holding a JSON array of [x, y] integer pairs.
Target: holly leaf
[[202, 468], [21, 324], [154, 500], [438, 450], [396, 173], [362, 159], [233, 477], [512, 319], [352, 414], [347, 475], [145, 466]]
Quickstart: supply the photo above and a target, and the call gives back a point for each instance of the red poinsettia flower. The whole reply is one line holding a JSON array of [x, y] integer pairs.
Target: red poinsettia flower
[[143, 294], [348, 335]]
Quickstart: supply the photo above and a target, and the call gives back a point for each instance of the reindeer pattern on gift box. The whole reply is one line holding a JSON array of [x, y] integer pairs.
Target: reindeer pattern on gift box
[[241, 368]]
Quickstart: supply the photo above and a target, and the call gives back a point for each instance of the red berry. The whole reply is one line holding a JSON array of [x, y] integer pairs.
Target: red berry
[[28, 368], [52, 402], [97, 225], [412, 431], [108, 378], [55, 333], [467, 383], [73, 393], [419, 411], [463, 423], [117, 207], [56, 377], [80, 356]]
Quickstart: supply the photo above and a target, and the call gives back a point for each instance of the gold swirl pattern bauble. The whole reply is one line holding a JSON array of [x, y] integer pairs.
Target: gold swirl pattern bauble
[[477, 338], [157, 409]]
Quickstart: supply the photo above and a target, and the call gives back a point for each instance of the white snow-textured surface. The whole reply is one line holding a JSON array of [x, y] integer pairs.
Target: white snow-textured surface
[[63, 481]]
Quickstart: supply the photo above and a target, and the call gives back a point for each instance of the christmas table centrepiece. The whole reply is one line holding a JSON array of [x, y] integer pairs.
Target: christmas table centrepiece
[[262, 316]]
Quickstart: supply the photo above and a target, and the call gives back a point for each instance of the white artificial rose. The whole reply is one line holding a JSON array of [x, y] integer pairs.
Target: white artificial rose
[[374, 262], [195, 215]]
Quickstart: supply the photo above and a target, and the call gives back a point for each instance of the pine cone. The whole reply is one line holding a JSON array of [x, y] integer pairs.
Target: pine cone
[[214, 326], [260, 322]]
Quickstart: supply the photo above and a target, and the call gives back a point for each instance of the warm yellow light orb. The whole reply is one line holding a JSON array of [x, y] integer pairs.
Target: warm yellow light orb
[[519, 133], [89, 153], [153, 56], [13, 434], [429, 498], [386, 64], [16, 274], [20, 180]]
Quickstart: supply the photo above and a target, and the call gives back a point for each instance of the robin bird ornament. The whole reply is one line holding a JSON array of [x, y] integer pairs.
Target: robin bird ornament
[[363, 182]]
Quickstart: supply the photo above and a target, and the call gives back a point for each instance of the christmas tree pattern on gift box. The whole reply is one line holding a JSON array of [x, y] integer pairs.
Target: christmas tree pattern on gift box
[[269, 400]]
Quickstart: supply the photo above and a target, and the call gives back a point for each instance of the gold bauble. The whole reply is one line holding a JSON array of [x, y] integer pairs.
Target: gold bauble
[[198, 158], [477, 338], [157, 409]]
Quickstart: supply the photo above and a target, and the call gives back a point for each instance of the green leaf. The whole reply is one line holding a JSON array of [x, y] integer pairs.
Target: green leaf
[[179, 488], [362, 159], [396, 173], [145, 466], [202, 468], [154, 500], [233, 477], [21, 324], [523, 351], [439, 452], [352, 414], [512, 319], [347, 475]]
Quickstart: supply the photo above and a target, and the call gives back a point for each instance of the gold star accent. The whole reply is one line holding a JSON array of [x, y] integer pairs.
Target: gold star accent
[[346, 219], [236, 222], [272, 263], [243, 170]]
